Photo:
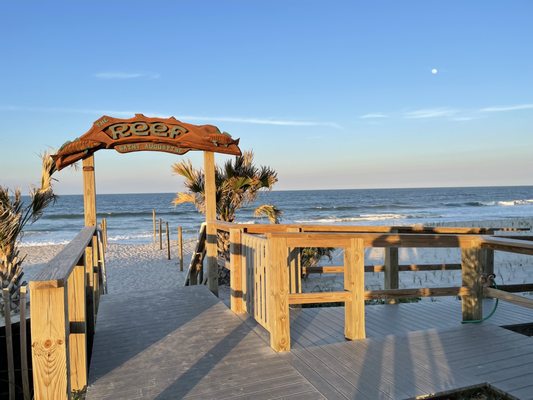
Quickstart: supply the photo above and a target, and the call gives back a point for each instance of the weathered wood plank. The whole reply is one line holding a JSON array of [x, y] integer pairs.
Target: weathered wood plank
[[354, 283], [56, 272], [50, 345], [511, 298], [210, 218]]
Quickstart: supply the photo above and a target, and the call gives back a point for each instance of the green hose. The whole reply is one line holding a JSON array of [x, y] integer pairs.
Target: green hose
[[478, 321]]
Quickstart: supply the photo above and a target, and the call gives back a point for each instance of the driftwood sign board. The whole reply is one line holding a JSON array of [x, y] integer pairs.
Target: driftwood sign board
[[142, 133]]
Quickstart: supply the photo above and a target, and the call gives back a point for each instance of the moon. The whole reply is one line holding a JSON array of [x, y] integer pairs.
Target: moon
[[434, 71]]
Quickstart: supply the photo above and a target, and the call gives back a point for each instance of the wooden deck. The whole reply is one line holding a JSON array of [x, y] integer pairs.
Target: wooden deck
[[185, 343]]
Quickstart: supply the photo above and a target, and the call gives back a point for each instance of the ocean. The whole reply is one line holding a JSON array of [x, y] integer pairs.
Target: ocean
[[129, 216]]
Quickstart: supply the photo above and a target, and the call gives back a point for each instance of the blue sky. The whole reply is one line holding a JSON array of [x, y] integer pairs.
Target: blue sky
[[331, 94]]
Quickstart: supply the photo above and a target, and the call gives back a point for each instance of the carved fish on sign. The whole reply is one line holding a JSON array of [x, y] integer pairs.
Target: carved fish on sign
[[142, 133]]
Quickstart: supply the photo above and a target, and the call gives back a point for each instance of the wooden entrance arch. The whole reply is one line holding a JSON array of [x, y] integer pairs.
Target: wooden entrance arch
[[142, 133]]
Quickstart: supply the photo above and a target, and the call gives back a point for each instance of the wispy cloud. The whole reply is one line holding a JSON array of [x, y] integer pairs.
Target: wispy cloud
[[125, 75], [514, 107], [373, 116], [123, 113], [431, 113]]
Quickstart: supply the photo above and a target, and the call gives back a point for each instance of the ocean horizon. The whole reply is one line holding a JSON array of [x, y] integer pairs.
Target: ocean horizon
[[129, 215]]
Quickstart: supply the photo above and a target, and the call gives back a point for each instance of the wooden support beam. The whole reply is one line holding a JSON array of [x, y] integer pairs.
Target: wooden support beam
[[472, 268], [354, 282], [89, 191], [50, 342], [511, 298], [419, 292], [236, 258], [319, 297], [24, 346], [210, 218], [295, 268], [487, 257], [391, 273], [78, 340], [278, 294], [90, 311]]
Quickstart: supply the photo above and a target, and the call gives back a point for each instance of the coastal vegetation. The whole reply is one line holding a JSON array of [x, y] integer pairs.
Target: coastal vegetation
[[14, 216]]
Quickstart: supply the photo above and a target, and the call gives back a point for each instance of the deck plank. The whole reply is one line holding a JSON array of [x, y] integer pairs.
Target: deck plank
[[185, 343]]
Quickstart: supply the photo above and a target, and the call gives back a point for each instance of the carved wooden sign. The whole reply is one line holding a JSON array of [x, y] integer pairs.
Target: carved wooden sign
[[142, 133]]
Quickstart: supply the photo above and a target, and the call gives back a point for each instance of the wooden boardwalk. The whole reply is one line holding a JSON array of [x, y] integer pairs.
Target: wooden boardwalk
[[185, 343]]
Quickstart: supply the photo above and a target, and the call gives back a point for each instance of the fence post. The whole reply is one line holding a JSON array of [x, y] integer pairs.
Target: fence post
[[354, 282], [154, 223], [391, 269], [160, 234], [168, 241], [77, 318], [278, 294], [235, 236], [180, 246], [50, 341], [488, 261], [471, 269], [89, 297], [295, 270]]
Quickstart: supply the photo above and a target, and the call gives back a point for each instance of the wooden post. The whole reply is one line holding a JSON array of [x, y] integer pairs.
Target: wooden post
[[24, 346], [295, 275], [354, 282], [160, 234], [104, 233], [154, 223], [168, 241], [391, 269], [235, 238], [210, 218], [488, 261], [180, 246], [278, 294], [89, 191], [89, 298], [50, 341], [9, 343], [96, 274], [472, 268], [77, 338]]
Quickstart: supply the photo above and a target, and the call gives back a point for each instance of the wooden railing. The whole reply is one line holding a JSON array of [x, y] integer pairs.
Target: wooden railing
[[267, 266], [64, 304], [254, 287]]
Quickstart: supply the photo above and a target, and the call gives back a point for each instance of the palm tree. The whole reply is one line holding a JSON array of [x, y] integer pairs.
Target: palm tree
[[238, 183], [14, 216]]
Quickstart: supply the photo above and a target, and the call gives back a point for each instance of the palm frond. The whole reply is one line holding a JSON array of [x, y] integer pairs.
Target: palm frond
[[270, 211]]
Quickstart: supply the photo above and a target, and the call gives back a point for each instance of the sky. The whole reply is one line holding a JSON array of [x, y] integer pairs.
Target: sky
[[331, 94]]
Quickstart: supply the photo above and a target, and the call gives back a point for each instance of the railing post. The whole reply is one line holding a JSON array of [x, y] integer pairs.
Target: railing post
[[50, 341], [89, 297], [235, 238], [471, 269], [354, 282], [96, 273], [391, 269], [278, 294], [77, 318], [488, 261], [295, 269]]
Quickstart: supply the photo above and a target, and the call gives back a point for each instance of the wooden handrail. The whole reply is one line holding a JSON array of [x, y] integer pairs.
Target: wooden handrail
[[511, 298], [509, 245], [64, 301], [379, 239], [59, 268], [269, 228], [339, 269]]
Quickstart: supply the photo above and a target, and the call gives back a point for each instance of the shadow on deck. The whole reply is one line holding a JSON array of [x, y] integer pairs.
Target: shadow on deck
[[185, 343]]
